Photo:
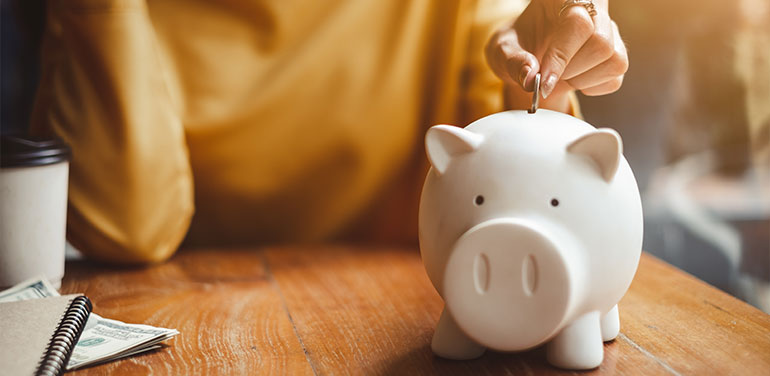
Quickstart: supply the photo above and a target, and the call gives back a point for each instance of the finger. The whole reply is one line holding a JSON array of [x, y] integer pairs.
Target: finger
[[511, 62], [608, 87], [575, 27], [615, 66], [599, 47]]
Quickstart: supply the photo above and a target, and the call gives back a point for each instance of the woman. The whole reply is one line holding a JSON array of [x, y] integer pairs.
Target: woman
[[242, 122]]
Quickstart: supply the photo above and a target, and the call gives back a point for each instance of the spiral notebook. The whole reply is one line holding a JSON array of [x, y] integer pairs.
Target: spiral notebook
[[38, 335]]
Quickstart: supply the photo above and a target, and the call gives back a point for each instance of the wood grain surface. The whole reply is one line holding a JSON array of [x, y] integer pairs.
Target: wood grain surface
[[348, 310]]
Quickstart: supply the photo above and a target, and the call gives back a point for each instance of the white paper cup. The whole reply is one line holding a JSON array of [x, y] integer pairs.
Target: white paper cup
[[33, 209]]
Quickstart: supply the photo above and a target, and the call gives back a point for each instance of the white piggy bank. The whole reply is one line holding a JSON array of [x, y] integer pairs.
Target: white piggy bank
[[531, 231]]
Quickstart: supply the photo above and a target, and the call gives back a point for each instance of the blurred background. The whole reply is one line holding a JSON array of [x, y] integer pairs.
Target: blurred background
[[694, 113]]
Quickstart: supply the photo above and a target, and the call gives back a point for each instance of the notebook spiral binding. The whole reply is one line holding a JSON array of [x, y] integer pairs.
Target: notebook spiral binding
[[54, 360]]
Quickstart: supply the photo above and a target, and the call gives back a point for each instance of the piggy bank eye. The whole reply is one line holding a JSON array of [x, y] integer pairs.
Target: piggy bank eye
[[554, 202], [479, 200]]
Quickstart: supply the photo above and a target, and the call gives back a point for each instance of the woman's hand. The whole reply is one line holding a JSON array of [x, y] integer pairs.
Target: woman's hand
[[574, 51]]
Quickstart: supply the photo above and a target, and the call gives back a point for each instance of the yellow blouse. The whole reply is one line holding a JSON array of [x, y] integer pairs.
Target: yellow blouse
[[255, 121]]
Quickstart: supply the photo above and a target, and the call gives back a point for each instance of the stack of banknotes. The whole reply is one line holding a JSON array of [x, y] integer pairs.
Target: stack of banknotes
[[102, 339]]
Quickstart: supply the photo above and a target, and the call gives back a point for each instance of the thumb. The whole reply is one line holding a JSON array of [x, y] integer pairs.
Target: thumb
[[511, 62], [573, 31]]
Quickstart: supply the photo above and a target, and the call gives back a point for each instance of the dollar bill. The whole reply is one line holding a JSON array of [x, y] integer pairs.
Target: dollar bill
[[105, 339], [34, 288], [102, 339]]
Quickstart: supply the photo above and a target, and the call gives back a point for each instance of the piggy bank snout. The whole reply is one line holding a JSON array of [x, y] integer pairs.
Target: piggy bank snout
[[508, 284]]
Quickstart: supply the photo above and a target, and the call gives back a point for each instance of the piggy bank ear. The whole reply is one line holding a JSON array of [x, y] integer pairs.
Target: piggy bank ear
[[604, 147], [444, 142]]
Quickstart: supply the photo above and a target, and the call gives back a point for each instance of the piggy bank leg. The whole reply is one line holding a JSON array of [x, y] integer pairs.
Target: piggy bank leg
[[611, 324], [579, 345], [451, 343]]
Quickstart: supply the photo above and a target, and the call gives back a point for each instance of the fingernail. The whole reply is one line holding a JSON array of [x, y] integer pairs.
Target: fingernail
[[523, 75], [548, 85]]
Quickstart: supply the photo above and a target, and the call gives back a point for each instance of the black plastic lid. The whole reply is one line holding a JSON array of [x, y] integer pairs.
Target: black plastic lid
[[16, 151]]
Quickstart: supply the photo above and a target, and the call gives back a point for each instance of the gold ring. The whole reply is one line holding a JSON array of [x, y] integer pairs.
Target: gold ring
[[588, 4]]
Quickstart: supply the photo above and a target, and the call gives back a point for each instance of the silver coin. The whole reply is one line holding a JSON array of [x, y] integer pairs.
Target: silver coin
[[535, 95]]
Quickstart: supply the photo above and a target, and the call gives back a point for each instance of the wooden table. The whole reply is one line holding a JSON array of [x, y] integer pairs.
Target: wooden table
[[338, 310]]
